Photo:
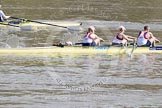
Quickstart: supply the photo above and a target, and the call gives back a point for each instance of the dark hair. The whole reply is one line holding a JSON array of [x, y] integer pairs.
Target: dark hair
[[146, 27]]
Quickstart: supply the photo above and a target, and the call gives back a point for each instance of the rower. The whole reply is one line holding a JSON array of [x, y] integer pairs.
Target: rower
[[121, 39], [91, 39], [146, 38], [3, 17]]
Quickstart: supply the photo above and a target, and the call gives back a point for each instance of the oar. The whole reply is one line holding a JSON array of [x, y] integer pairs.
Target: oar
[[9, 24], [45, 23], [134, 46]]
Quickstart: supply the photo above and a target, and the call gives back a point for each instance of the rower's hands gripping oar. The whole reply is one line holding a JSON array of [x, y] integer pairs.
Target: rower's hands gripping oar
[[27, 20]]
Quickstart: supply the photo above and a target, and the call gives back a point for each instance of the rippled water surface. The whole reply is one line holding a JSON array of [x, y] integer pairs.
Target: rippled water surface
[[80, 81], [85, 81]]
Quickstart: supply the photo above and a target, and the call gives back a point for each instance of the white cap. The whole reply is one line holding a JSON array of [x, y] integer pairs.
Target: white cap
[[122, 27], [92, 28]]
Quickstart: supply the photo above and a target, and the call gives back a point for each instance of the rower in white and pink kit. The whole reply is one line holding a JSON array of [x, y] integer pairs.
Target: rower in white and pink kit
[[122, 39], [91, 39], [146, 38], [3, 17]]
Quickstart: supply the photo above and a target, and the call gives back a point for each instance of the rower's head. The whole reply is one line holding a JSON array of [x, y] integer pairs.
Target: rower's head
[[146, 28], [122, 28], [0, 6], [91, 29]]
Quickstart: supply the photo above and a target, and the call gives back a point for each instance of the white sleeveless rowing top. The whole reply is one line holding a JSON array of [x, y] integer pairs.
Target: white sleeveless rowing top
[[117, 39], [89, 38], [142, 39]]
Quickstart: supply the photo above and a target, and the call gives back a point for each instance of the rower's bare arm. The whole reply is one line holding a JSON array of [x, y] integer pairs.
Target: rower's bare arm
[[99, 38], [127, 38], [6, 17], [157, 40], [131, 37], [152, 36]]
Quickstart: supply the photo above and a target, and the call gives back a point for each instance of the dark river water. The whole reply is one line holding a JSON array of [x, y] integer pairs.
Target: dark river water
[[85, 81]]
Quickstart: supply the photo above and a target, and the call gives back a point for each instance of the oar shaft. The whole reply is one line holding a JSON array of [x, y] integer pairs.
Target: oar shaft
[[46, 23], [133, 48], [40, 22], [69, 28]]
